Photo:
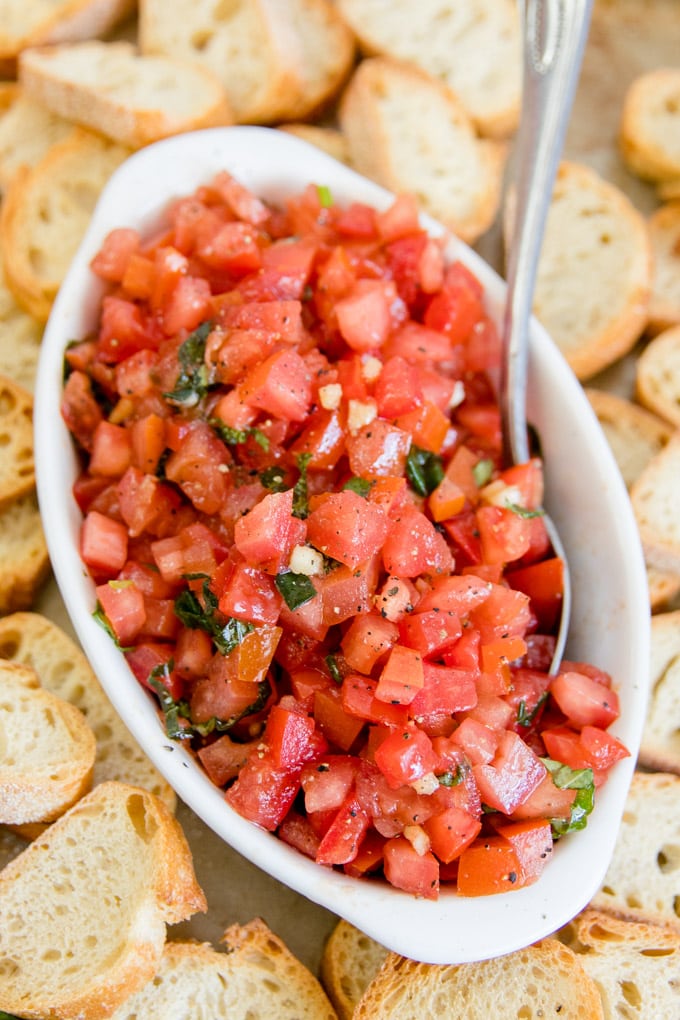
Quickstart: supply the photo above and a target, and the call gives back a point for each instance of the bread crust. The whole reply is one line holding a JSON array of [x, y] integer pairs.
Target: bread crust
[[402, 126], [655, 496], [23, 553], [45, 213], [657, 376], [62, 22], [664, 232], [650, 125], [545, 979], [109, 88], [659, 748], [75, 951], [17, 468]]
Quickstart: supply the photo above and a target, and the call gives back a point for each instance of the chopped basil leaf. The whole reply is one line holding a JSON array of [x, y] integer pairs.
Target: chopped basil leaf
[[274, 479], [522, 511], [192, 382], [226, 632], [174, 711], [325, 196], [300, 505], [424, 470], [232, 437], [334, 669], [452, 778], [295, 588], [525, 717], [482, 472], [361, 486], [7, 1016], [102, 619], [581, 780]]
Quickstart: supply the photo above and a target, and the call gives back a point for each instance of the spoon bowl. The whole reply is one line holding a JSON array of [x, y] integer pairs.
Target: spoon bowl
[[584, 494]]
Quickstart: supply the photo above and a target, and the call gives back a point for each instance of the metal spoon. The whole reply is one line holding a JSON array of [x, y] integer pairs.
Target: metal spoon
[[555, 33]]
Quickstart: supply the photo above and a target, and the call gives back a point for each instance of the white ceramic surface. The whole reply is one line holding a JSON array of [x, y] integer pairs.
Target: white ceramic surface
[[585, 496]]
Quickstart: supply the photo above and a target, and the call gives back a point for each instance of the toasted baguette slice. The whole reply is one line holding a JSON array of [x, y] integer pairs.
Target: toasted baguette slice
[[663, 587], [27, 131], [46, 752], [634, 434], [85, 906], [35, 641], [409, 133], [474, 48], [595, 270], [658, 375], [258, 978], [277, 59], [11, 845], [650, 125], [130, 98], [634, 965], [641, 882], [20, 337], [664, 231], [329, 139], [668, 191], [543, 980], [656, 498], [45, 213], [660, 747], [17, 470], [349, 963], [55, 21], [23, 553]]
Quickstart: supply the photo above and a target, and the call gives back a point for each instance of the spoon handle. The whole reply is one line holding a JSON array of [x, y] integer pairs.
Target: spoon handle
[[555, 33]]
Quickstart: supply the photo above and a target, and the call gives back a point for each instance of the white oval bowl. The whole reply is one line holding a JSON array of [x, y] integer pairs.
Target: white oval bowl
[[584, 494]]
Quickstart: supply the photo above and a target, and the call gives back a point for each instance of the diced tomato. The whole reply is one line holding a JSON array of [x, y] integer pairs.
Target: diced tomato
[[404, 756], [103, 543], [397, 389], [430, 632], [224, 758], [450, 832], [281, 385], [339, 728], [347, 528], [489, 865], [378, 450], [511, 777], [406, 869], [414, 546], [402, 676], [584, 701], [367, 640], [504, 534], [123, 605], [250, 594], [266, 536], [342, 840]]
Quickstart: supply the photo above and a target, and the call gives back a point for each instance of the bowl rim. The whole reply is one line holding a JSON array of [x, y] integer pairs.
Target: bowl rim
[[451, 929]]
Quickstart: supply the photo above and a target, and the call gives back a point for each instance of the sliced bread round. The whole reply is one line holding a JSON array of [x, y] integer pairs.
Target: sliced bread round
[[543, 980], [660, 748], [46, 749], [635, 965], [656, 497], [664, 586], [20, 337], [594, 272], [658, 376], [17, 469], [473, 47], [642, 879], [409, 132], [634, 434], [54, 21], [329, 139], [23, 553], [132, 99], [650, 125], [277, 59], [258, 977], [27, 130], [38, 642], [46, 211], [84, 908], [349, 963], [664, 232]]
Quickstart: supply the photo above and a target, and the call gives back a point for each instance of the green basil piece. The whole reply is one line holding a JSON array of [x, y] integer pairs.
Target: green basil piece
[[452, 778], [361, 486], [102, 619], [525, 717], [334, 669], [424, 470], [522, 511], [191, 384], [226, 632], [325, 196], [581, 780], [482, 472], [274, 479], [295, 588], [300, 504], [234, 437]]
